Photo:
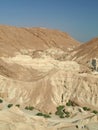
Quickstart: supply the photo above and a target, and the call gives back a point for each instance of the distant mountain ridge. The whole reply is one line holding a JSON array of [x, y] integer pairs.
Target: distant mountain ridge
[[86, 51]]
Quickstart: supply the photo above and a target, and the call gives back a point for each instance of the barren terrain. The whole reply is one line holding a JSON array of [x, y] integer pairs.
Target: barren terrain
[[44, 85]]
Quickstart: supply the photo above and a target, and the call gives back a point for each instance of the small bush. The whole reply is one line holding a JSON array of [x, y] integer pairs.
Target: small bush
[[29, 108], [10, 105], [86, 109], [17, 105], [61, 107], [1, 101], [39, 114], [95, 112], [70, 103], [44, 115], [61, 112], [77, 126]]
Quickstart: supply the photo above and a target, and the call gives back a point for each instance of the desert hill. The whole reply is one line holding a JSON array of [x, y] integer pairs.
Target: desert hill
[[36, 70], [86, 51], [13, 39]]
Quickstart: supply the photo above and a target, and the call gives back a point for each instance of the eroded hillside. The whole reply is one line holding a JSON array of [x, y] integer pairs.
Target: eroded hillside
[[37, 69], [86, 51], [13, 39]]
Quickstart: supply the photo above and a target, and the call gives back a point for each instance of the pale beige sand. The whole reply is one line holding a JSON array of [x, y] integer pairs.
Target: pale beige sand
[[16, 119]]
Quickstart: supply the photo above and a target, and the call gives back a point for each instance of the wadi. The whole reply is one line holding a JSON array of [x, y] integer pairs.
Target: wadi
[[48, 80]]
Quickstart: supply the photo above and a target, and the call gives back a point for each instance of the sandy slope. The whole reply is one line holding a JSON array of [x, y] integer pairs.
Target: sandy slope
[[86, 51], [13, 39]]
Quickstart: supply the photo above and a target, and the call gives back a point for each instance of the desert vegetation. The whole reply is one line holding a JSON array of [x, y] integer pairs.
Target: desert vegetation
[[29, 108], [17, 105], [1, 101], [86, 109], [61, 112], [70, 103], [95, 112], [44, 115], [9, 105]]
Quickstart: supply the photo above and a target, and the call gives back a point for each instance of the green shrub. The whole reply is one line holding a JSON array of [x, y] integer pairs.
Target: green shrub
[[10, 105], [29, 108], [1, 101], [44, 115], [95, 112], [86, 109], [61, 107], [61, 112], [39, 114], [70, 103], [17, 105]]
